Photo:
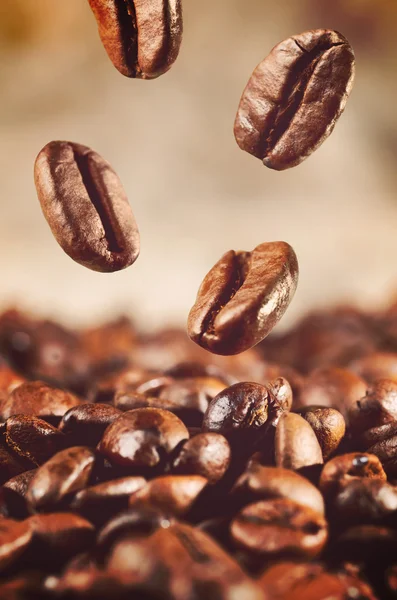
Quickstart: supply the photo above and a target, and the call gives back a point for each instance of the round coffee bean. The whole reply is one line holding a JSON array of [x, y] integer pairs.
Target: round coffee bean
[[86, 424], [364, 502], [294, 98], [296, 444], [329, 426], [86, 207], [342, 469], [142, 39], [206, 454], [243, 297], [14, 492], [32, 438]]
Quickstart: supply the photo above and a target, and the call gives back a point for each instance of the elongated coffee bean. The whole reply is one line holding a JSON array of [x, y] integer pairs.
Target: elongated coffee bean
[[86, 207], [294, 98], [142, 37], [243, 297]]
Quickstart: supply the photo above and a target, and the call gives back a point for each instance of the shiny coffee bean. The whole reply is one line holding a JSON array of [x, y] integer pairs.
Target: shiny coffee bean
[[15, 538], [296, 444], [85, 424], [243, 297], [342, 469], [365, 502], [86, 207], [142, 39], [11, 465], [329, 426], [205, 454], [32, 438], [378, 407], [279, 528], [142, 439], [14, 491], [154, 385], [282, 391], [66, 472], [294, 98], [38, 399]]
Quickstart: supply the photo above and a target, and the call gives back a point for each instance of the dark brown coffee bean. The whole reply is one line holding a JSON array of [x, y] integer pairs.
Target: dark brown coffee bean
[[281, 390], [13, 493], [11, 465], [386, 450], [38, 399], [378, 407], [15, 537], [143, 438], [66, 472], [342, 469], [109, 345], [85, 424], [24, 586], [279, 528], [206, 454], [172, 494], [142, 39], [368, 544], [296, 444], [294, 98], [332, 387], [32, 438], [243, 297], [104, 389], [267, 483], [9, 380], [329, 426], [86, 207], [100, 502], [189, 370], [365, 502]]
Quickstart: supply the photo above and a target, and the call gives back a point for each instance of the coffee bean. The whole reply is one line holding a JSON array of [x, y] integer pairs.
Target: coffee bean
[[365, 502], [296, 444], [109, 345], [14, 491], [32, 438], [86, 207], [142, 39], [281, 390], [279, 528], [329, 426], [66, 472], [142, 439], [15, 537], [294, 98], [343, 469], [378, 407], [243, 297], [38, 399], [154, 386], [188, 370], [366, 544], [206, 454], [11, 465], [376, 365], [85, 424], [9, 380], [332, 387]]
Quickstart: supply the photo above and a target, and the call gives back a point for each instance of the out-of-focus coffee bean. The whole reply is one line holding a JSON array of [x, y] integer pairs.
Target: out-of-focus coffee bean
[[15, 538], [142, 439], [329, 426], [125, 400], [371, 544], [386, 450], [342, 469], [378, 365], [392, 579], [32, 438], [296, 444], [66, 472], [171, 494], [11, 465], [333, 387], [98, 503], [279, 528], [105, 388], [243, 297], [189, 370], [85, 424], [267, 483], [109, 345], [154, 386], [9, 380], [206, 454], [26, 585], [364, 502], [377, 407], [14, 491], [38, 399]]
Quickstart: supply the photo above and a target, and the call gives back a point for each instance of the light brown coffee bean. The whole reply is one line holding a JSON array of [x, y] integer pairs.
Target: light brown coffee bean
[[296, 444]]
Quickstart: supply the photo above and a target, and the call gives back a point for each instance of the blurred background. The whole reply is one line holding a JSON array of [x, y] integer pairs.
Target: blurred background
[[194, 193]]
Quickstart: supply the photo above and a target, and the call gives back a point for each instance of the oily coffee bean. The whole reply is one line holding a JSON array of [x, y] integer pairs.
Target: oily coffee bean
[[243, 297], [15, 537], [85, 424], [279, 528], [294, 98], [11, 465], [329, 426], [86, 207], [38, 399], [66, 472], [142, 39], [205, 454], [342, 469], [32, 438], [142, 439], [14, 491], [365, 502], [296, 444]]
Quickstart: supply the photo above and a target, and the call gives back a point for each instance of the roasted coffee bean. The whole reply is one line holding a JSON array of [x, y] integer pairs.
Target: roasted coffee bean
[[386, 450], [142, 39], [342, 469], [38, 399], [296, 444], [365, 502], [376, 365], [32, 438], [86, 207], [267, 483], [281, 390], [279, 528], [14, 491], [243, 297], [206, 454], [332, 387], [85, 424], [154, 386], [15, 538], [142, 439], [9, 380], [66, 472], [294, 98], [378, 407], [109, 345], [370, 544], [100, 502], [171, 494], [104, 389], [11, 465], [329, 426], [188, 370]]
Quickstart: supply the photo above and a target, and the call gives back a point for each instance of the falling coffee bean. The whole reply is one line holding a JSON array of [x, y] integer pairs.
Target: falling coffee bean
[[86, 207], [243, 297], [294, 98]]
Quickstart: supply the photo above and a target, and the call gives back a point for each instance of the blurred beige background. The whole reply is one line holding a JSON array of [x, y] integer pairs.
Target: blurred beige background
[[194, 193]]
